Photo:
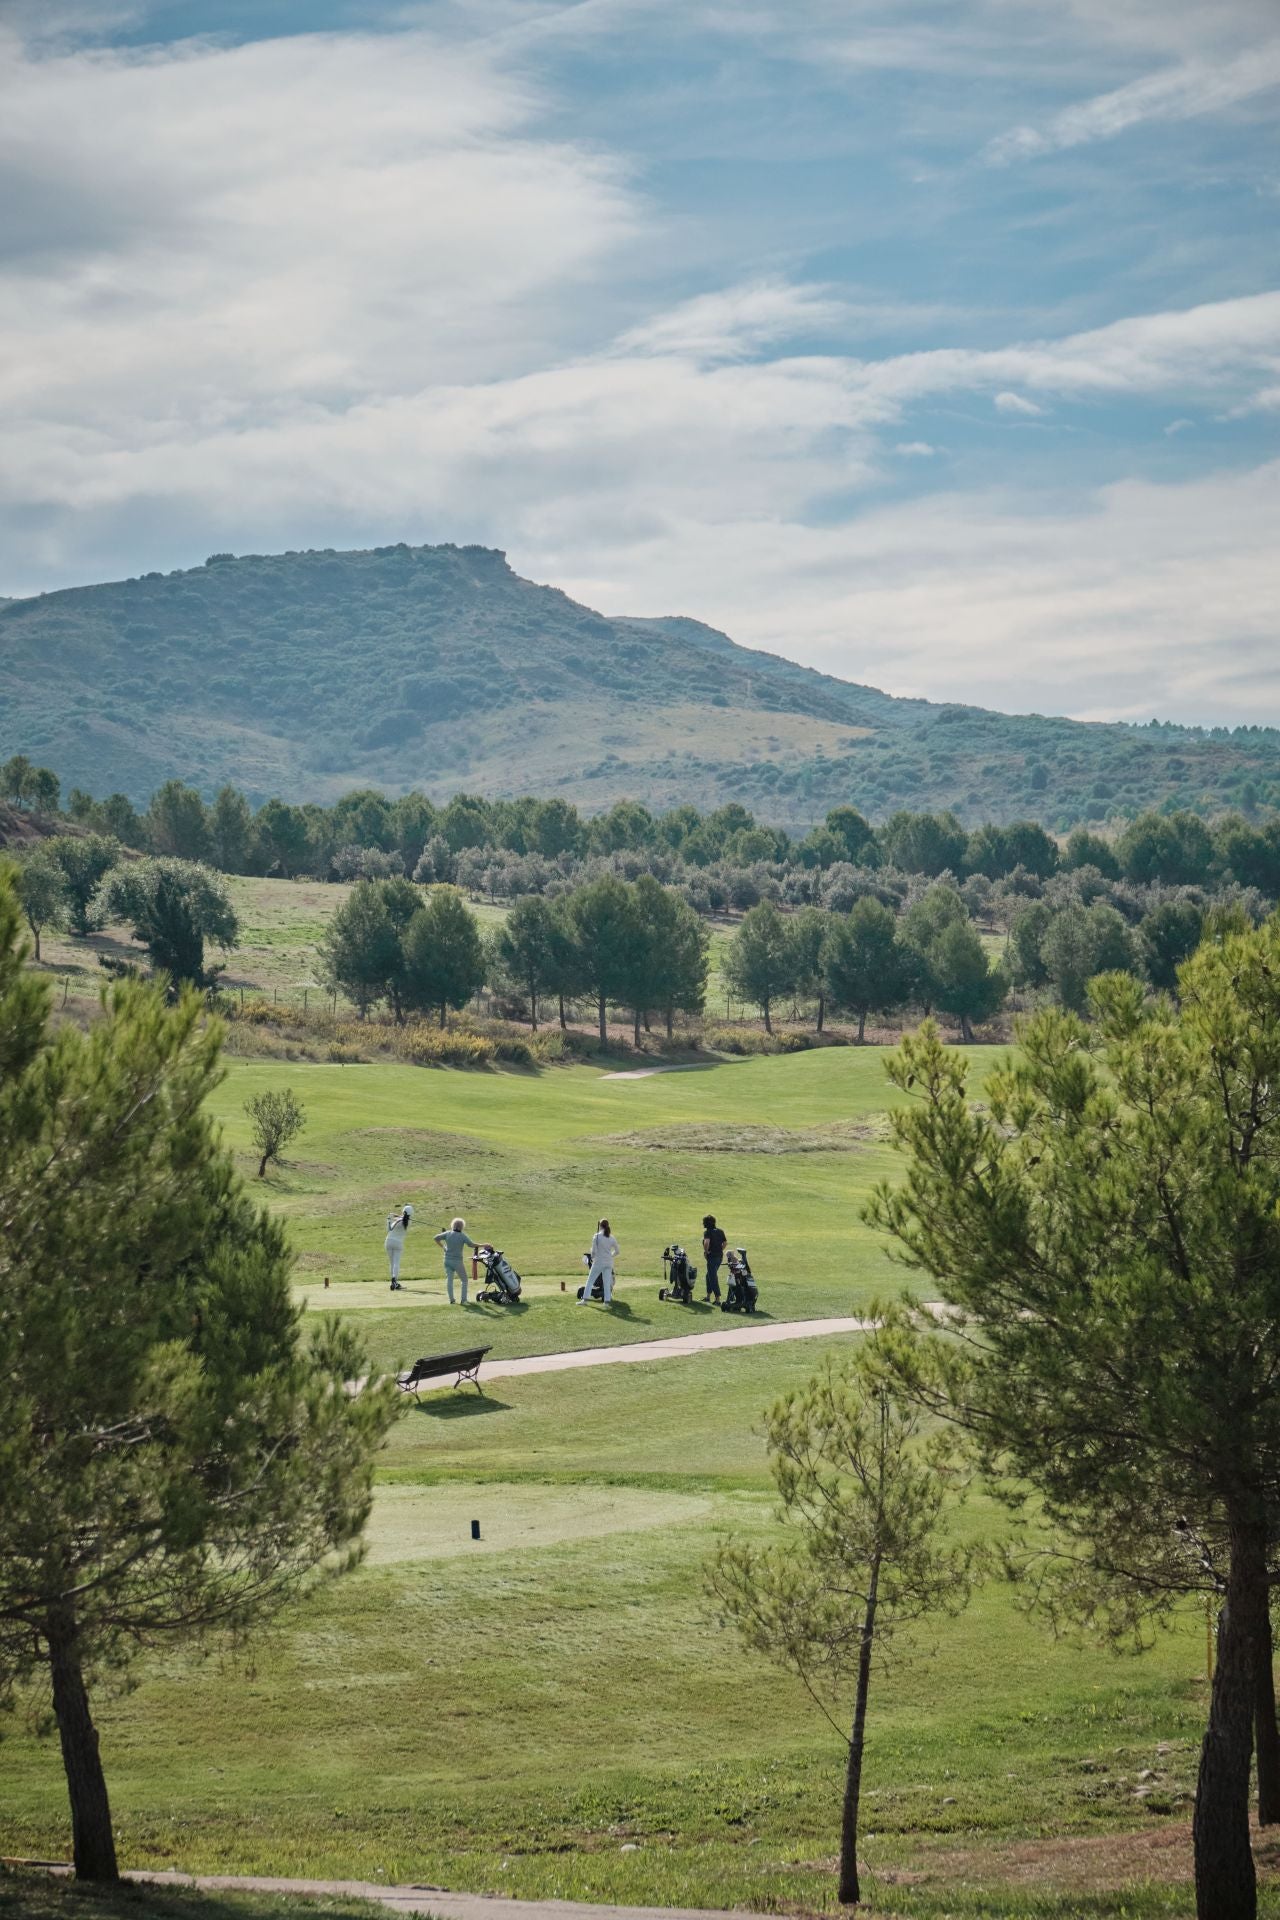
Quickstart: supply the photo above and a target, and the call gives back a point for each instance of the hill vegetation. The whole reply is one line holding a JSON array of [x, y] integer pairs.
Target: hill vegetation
[[301, 674]]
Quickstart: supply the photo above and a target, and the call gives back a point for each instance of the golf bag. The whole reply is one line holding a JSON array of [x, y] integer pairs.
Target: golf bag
[[681, 1276], [501, 1281], [743, 1292]]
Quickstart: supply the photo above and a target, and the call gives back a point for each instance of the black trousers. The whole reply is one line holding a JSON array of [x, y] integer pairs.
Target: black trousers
[[713, 1279]]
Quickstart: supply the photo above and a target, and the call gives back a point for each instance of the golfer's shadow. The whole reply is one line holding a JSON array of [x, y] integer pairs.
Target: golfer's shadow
[[496, 1309]]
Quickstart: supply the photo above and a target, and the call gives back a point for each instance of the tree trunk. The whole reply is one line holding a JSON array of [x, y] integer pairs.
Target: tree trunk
[[604, 1037], [262, 1166], [533, 1007], [636, 1030], [36, 931], [1266, 1735], [862, 1024], [966, 1031], [564, 1024], [1226, 1886], [671, 1022], [767, 1027], [93, 1843], [442, 1012], [822, 1009], [849, 1893]]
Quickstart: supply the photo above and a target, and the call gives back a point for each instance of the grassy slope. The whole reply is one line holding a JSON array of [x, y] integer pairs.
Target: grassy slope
[[514, 1715]]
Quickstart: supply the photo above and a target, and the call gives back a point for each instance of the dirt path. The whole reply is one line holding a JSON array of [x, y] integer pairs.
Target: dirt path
[[433, 1900], [676, 1348]]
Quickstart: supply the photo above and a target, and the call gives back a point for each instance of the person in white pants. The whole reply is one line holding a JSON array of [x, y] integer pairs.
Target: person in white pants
[[604, 1250], [455, 1241], [398, 1225]]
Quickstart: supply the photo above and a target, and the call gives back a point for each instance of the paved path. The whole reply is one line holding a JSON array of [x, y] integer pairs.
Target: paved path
[[434, 1900], [678, 1348]]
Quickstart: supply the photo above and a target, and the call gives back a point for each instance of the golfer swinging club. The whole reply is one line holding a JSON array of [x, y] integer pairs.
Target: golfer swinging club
[[604, 1249], [398, 1225]]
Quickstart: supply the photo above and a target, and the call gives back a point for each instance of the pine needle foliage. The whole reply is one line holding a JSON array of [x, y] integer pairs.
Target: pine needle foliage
[[865, 1557], [176, 1459], [1108, 1229]]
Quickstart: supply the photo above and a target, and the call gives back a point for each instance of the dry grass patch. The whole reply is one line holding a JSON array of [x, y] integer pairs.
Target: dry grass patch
[[840, 1136]]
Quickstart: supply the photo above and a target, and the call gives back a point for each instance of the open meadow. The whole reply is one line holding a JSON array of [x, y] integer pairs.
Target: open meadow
[[554, 1709]]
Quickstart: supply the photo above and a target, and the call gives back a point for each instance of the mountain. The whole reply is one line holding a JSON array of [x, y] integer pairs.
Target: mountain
[[305, 674]]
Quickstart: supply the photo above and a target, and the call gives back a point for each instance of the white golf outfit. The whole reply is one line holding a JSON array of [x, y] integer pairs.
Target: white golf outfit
[[603, 1251], [397, 1227]]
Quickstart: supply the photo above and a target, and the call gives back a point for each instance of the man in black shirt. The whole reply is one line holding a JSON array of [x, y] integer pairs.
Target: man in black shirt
[[714, 1240]]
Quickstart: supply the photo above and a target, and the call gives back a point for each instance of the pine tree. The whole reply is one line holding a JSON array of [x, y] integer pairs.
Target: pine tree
[[1110, 1229], [175, 1458], [862, 1492], [174, 906], [760, 961], [525, 950], [864, 965], [443, 954]]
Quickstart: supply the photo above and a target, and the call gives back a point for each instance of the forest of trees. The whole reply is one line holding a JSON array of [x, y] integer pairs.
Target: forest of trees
[[850, 922]]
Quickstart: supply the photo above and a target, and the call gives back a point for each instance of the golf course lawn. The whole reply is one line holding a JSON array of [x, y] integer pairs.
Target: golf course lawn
[[783, 1150], [554, 1709]]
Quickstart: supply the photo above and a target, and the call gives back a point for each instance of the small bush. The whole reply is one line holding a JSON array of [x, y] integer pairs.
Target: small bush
[[741, 1040], [426, 1046]]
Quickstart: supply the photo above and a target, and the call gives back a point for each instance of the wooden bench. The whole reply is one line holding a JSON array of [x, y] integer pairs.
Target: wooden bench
[[434, 1366]]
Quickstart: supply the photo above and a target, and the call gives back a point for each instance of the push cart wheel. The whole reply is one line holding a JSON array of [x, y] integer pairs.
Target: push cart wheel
[[662, 1293]]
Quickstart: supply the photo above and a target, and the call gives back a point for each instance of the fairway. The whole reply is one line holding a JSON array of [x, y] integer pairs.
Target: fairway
[[783, 1151], [553, 1709]]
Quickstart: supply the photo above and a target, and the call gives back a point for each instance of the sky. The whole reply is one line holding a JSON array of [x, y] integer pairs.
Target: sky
[[934, 343]]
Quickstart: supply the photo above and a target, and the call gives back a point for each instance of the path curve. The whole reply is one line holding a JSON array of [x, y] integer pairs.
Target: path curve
[[677, 1347], [432, 1900]]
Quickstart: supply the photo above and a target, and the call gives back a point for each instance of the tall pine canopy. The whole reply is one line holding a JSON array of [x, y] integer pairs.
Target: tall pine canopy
[[176, 1456], [1108, 1227]]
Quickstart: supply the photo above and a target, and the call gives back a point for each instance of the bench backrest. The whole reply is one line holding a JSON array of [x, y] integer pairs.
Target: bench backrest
[[432, 1364]]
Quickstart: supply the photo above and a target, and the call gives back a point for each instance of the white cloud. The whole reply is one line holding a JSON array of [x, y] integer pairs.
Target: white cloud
[[735, 322], [222, 233], [1178, 93], [345, 290], [1156, 599]]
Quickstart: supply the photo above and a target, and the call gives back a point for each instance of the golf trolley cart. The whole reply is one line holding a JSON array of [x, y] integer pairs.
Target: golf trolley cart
[[681, 1276], [501, 1281], [742, 1292]]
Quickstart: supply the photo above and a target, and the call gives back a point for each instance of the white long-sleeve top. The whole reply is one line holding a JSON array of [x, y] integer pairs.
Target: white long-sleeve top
[[603, 1250], [397, 1227]]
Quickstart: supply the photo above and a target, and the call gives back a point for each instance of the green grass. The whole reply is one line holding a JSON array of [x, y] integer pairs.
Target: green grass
[[27, 1895], [532, 1160], [554, 1710]]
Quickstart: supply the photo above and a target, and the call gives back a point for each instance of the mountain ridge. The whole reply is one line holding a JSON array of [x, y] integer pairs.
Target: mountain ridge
[[306, 673]]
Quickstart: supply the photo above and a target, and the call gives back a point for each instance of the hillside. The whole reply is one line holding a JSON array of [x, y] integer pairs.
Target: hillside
[[305, 674]]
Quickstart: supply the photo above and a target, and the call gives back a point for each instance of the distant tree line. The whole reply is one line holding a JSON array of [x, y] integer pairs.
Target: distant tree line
[[511, 847], [852, 921]]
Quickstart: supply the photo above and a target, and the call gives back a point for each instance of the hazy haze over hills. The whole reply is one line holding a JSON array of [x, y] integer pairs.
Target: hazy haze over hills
[[303, 674]]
